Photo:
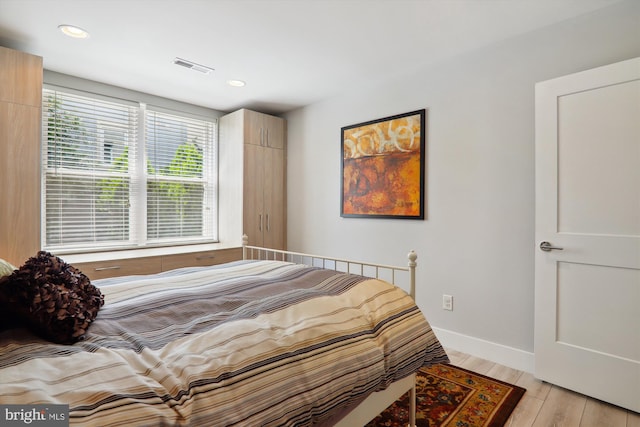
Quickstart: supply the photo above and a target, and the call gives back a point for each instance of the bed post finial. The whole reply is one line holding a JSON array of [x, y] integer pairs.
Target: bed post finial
[[412, 270], [413, 256]]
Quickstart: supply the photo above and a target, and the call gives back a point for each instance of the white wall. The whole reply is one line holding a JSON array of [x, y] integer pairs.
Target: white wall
[[477, 242]]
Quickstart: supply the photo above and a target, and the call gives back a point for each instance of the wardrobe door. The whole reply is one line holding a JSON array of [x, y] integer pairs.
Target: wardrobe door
[[273, 166], [253, 205], [20, 124]]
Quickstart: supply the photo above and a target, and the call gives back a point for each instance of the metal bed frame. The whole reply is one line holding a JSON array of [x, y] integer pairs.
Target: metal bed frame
[[380, 400]]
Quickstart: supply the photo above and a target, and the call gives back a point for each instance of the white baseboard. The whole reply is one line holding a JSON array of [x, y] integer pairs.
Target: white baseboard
[[498, 353]]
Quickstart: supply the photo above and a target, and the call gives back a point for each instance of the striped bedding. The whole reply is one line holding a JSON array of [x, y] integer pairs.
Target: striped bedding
[[249, 343]]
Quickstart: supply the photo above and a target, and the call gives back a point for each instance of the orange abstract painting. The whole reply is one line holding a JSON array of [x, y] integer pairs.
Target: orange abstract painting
[[383, 167]]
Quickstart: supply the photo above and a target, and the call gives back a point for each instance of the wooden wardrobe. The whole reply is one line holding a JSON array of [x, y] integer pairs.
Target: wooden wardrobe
[[255, 145], [20, 127]]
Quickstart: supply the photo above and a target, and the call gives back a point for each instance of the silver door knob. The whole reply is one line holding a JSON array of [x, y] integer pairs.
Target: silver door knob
[[548, 247]]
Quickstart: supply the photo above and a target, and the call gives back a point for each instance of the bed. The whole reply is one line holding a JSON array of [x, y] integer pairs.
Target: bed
[[276, 339]]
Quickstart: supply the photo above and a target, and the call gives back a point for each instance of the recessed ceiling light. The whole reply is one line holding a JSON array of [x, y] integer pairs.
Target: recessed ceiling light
[[236, 83], [73, 31]]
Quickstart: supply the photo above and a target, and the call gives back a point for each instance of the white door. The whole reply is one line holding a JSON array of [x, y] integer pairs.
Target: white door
[[587, 294]]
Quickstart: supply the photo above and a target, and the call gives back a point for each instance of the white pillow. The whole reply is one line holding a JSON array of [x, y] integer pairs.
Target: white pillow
[[6, 268]]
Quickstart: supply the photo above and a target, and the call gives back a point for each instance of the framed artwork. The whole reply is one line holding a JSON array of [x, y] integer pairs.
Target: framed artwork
[[383, 168]]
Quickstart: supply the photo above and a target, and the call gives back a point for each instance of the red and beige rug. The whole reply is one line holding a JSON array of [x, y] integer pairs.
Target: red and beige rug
[[454, 397]]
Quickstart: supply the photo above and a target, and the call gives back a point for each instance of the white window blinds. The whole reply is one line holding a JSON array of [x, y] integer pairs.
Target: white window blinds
[[179, 184], [109, 182]]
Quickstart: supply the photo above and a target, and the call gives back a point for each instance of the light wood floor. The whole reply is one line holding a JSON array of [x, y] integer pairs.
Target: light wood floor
[[546, 405]]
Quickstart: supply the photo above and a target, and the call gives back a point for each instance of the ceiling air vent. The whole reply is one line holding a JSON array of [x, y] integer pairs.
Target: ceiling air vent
[[192, 65]]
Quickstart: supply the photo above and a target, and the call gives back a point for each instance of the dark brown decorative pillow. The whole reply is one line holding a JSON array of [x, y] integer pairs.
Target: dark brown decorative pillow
[[54, 299]]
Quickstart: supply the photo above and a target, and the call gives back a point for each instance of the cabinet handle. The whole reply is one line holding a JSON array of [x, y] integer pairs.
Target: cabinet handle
[[114, 267], [267, 137], [201, 257], [268, 223], [260, 222], [262, 136]]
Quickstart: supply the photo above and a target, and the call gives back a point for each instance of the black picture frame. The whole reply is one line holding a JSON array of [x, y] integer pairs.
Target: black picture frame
[[383, 167]]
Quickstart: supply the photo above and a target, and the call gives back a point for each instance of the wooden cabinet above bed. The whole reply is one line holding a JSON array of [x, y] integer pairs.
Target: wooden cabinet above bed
[[197, 259], [120, 267], [155, 264]]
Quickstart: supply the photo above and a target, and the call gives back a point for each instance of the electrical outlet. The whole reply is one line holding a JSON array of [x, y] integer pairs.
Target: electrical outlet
[[447, 302]]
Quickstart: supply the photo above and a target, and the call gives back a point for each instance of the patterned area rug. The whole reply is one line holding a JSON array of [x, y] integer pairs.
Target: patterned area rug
[[454, 397]]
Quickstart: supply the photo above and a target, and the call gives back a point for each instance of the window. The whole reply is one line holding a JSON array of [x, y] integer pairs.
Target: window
[[120, 174]]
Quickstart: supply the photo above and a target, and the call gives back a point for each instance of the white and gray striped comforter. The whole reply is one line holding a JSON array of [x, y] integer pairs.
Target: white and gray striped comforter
[[250, 343]]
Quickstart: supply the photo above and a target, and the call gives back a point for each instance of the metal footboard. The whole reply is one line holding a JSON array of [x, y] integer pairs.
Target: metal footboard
[[390, 273]]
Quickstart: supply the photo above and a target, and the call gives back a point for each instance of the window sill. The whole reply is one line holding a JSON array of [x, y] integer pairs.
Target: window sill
[[144, 252]]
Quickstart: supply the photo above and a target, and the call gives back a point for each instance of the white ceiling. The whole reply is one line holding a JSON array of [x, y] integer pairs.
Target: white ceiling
[[290, 52]]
